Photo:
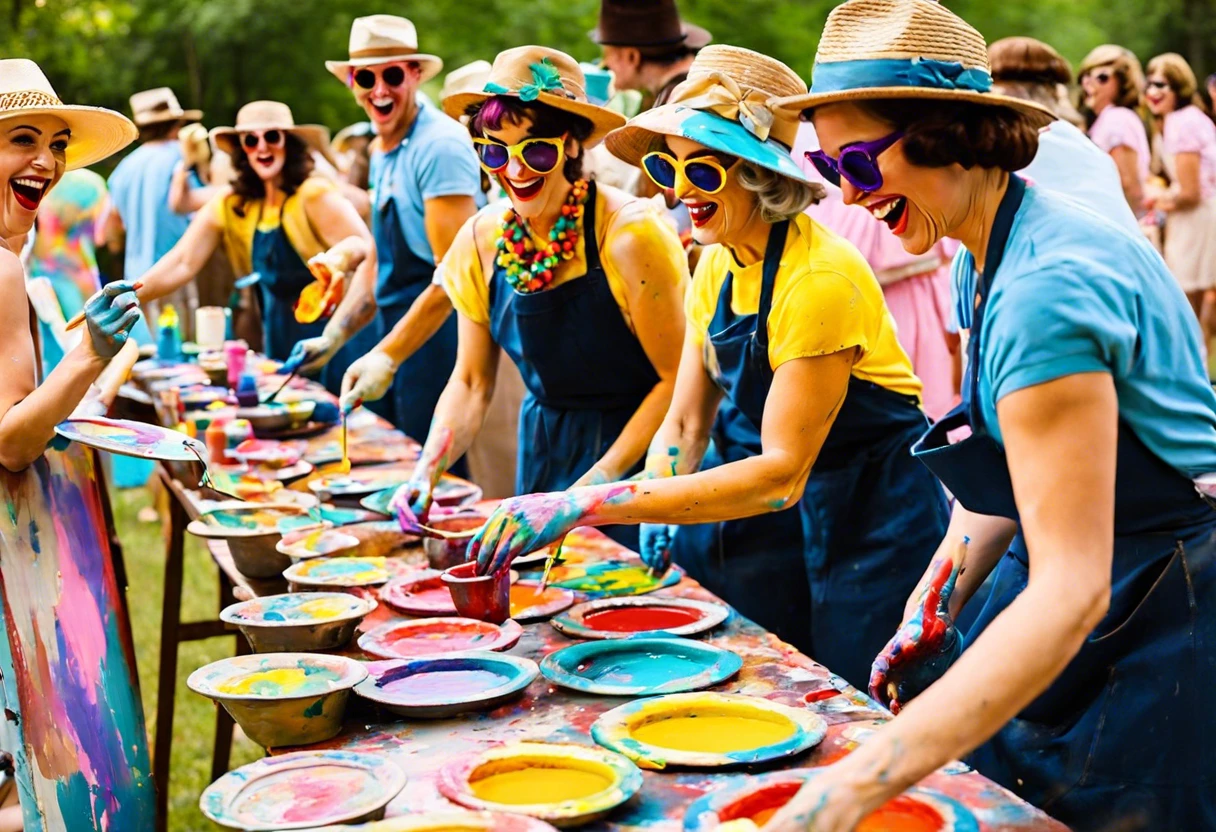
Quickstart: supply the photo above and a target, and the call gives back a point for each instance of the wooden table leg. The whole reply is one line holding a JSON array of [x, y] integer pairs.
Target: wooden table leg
[[166, 686], [222, 752]]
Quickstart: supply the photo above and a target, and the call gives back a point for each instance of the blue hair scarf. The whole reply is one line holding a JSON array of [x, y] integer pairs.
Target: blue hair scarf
[[923, 73]]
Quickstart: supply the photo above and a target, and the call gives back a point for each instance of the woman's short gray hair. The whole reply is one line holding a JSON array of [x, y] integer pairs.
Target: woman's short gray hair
[[781, 198]]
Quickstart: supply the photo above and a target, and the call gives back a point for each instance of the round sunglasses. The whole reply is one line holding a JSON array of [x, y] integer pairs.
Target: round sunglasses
[[273, 138], [858, 163], [539, 155], [366, 78], [705, 173]]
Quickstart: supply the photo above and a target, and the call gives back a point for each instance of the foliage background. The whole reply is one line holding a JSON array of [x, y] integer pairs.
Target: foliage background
[[218, 54]]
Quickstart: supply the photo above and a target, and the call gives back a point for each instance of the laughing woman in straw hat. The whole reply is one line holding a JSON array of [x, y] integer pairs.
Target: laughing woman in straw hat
[[1090, 415], [278, 220], [787, 321], [40, 138], [580, 285]]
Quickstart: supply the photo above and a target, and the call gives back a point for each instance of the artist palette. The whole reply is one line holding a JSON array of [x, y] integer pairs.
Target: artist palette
[[750, 802], [611, 578], [282, 699], [450, 492], [640, 666], [440, 687], [303, 790], [530, 603], [316, 543], [138, 439], [301, 622], [455, 821], [435, 636], [624, 617], [422, 593], [325, 573], [566, 785]]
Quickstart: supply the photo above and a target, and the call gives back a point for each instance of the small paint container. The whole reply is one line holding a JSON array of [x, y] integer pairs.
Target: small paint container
[[217, 442], [484, 597], [234, 356], [247, 390], [210, 326], [445, 552]]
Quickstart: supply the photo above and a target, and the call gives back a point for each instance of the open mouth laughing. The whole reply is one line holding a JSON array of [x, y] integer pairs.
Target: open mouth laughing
[[701, 212], [29, 191], [891, 210], [525, 190], [383, 106]]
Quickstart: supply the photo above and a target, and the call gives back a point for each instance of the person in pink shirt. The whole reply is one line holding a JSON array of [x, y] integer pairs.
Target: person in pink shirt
[[1112, 81], [1186, 140]]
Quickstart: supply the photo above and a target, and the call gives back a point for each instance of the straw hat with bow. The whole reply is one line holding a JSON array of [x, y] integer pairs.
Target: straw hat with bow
[[884, 49], [382, 39], [158, 106], [724, 104], [269, 115], [96, 132], [543, 75]]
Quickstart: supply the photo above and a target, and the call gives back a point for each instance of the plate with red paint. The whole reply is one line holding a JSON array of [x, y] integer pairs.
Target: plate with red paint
[[754, 800], [443, 686], [423, 593], [624, 617], [435, 636], [530, 603]]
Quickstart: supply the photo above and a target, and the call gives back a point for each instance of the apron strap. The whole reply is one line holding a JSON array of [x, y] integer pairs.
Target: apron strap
[[772, 262], [591, 243]]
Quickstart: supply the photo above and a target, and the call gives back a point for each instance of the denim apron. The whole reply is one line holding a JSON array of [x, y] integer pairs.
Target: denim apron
[[1125, 738], [284, 276], [585, 373], [871, 516]]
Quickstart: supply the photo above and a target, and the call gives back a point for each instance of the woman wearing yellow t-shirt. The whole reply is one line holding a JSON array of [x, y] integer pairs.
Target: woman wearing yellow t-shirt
[[785, 320], [580, 285], [276, 217]]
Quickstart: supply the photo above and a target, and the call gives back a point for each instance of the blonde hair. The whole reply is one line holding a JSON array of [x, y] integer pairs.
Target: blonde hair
[[1126, 67], [1180, 76], [780, 197]]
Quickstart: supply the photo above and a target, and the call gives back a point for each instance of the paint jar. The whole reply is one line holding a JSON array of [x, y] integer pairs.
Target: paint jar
[[484, 597], [445, 552], [247, 390], [234, 357], [210, 326], [216, 438]]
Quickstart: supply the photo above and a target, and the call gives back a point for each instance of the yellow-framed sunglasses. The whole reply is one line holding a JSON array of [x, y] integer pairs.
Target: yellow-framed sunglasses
[[538, 155], [705, 173]]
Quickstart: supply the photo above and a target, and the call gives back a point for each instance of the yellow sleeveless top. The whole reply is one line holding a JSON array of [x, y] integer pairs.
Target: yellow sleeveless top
[[238, 230]]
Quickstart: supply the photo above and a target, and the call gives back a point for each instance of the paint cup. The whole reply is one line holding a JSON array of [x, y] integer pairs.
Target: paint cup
[[484, 597], [210, 326], [234, 357], [247, 390], [443, 553]]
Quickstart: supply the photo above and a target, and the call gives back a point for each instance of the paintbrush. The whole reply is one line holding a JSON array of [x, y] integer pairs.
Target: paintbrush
[[555, 557], [78, 318], [344, 465], [283, 387]]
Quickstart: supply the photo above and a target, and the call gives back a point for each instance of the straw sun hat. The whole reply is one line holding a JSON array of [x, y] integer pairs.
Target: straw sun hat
[[382, 39], [96, 132], [159, 105], [269, 115], [543, 75], [875, 49], [724, 104]]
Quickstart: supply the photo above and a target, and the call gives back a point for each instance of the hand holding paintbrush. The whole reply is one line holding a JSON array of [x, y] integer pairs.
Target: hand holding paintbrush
[[110, 314]]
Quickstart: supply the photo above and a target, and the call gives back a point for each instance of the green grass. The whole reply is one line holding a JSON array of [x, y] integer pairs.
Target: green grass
[[194, 718]]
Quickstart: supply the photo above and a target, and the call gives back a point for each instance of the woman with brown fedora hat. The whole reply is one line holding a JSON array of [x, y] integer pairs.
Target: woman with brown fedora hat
[[277, 220], [580, 285], [1079, 460], [786, 322]]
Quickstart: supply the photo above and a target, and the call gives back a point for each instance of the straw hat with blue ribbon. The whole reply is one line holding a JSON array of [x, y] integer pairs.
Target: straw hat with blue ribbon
[[884, 49], [725, 104]]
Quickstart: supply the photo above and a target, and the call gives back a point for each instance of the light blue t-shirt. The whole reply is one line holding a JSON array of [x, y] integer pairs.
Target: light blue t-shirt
[[139, 189], [1075, 293], [436, 159]]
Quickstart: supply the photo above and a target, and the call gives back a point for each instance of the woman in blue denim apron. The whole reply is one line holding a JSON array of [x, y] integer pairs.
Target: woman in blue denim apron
[[589, 309], [1084, 684], [787, 322]]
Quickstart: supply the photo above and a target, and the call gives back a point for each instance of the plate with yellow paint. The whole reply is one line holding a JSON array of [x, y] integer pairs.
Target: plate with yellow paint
[[337, 572], [640, 666], [451, 821], [562, 784], [707, 730]]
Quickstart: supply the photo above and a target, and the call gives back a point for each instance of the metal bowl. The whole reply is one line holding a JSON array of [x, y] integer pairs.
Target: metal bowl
[[272, 417], [299, 622]]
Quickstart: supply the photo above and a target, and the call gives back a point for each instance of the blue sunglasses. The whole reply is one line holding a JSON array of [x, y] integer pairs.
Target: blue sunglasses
[[858, 163]]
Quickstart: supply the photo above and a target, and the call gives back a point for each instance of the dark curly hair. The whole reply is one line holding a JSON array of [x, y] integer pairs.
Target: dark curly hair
[[942, 133], [296, 168], [547, 123]]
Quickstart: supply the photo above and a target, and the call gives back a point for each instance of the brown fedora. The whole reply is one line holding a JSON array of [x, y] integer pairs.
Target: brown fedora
[[646, 24]]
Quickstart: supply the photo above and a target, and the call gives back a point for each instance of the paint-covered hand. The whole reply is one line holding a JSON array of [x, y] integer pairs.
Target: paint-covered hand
[[522, 525], [110, 314], [311, 354], [655, 543], [924, 647], [411, 504], [367, 379], [822, 805]]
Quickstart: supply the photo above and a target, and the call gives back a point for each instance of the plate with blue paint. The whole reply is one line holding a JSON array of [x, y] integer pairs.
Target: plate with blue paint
[[640, 666], [442, 686]]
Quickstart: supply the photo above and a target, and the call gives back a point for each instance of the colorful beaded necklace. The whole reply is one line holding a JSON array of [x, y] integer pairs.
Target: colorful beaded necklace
[[527, 268]]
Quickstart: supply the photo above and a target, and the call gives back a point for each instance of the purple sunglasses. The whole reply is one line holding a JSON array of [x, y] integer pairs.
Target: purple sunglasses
[[858, 163]]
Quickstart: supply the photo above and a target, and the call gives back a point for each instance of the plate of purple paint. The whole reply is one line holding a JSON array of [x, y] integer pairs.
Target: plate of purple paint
[[443, 686]]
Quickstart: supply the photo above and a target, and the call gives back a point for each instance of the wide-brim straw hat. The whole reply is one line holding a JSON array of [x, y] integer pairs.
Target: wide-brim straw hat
[[892, 49], [383, 39], [96, 131], [269, 115], [468, 78], [542, 75], [725, 105], [157, 106]]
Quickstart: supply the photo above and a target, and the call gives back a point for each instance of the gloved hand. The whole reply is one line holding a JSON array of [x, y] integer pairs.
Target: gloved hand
[[411, 504], [110, 314], [924, 647], [310, 355], [367, 379], [656, 539]]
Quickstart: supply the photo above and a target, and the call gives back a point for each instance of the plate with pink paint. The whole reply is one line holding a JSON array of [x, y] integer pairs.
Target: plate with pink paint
[[423, 593], [138, 439], [303, 790], [425, 637], [443, 686]]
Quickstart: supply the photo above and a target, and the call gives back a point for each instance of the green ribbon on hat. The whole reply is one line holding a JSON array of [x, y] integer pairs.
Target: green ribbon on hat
[[545, 78]]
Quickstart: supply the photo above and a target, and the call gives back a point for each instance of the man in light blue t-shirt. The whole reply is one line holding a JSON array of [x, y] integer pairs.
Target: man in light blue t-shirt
[[425, 181]]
